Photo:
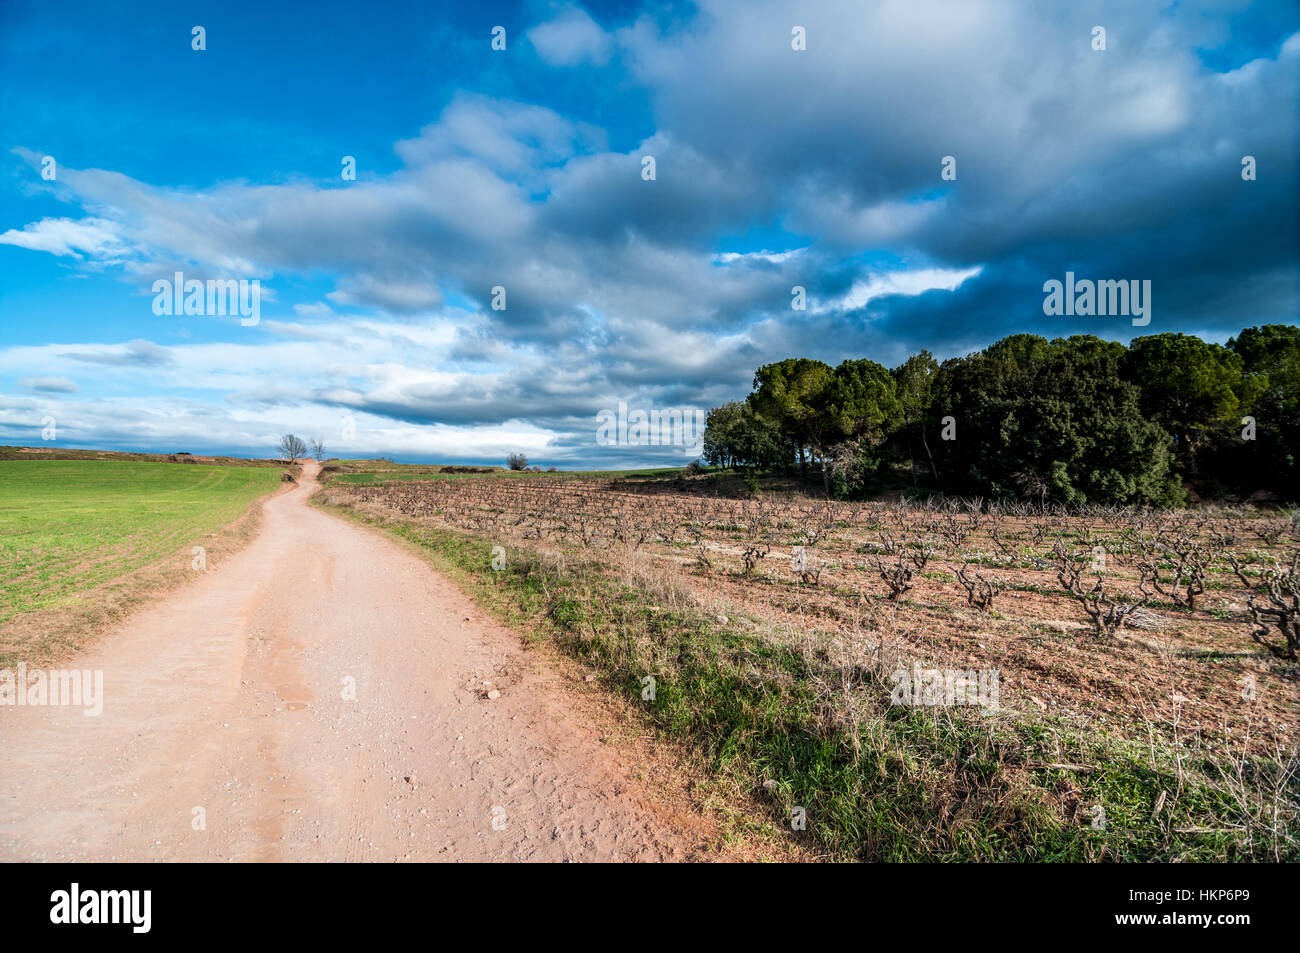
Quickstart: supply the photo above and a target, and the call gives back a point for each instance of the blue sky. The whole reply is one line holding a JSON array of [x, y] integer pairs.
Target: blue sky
[[522, 168]]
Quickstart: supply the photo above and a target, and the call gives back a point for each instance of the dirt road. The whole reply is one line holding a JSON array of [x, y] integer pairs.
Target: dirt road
[[321, 696]]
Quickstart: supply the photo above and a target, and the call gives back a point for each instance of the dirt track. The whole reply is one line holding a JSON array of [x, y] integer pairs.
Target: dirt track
[[229, 696]]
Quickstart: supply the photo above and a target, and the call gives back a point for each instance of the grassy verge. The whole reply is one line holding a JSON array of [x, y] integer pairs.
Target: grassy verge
[[809, 730]]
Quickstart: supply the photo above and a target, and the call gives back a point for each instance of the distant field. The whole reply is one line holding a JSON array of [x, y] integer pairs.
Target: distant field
[[374, 472], [68, 527], [374, 477], [181, 456]]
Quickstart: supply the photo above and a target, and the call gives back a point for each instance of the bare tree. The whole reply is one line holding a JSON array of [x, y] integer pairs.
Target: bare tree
[[517, 461], [291, 447], [1177, 569], [1108, 614], [980, 592], [898, 577], [318, 449], [1274, 601]]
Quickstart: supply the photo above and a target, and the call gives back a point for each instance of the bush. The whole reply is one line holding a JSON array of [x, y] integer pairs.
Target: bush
[[855, 469], [517, 461]]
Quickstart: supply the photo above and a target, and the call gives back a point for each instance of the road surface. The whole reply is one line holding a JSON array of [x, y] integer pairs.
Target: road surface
[[320, 696]]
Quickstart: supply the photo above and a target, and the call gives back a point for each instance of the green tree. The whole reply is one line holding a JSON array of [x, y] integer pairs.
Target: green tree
[[1188, 386], [1072, 420], [862, 401], [862, 408], [914, 384], [1050, 421], [793, 394], [720, 434], [819, 408], [736, 436], [1271, 394]]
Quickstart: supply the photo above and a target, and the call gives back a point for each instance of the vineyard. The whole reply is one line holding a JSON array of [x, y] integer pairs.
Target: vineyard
[[1168, 635]]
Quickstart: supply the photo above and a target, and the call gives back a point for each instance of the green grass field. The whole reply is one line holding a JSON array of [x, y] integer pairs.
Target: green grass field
[[67, 526]]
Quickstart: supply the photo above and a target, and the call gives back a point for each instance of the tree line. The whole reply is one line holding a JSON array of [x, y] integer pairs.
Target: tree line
[[1072, 420]]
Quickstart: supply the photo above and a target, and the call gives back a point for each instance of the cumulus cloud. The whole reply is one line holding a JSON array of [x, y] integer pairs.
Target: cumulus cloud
[[89, 237], [818, 168], [571, 38]]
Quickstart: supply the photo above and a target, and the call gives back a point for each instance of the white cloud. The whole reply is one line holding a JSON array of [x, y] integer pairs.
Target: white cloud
[[773, 257], [914, 282], [571, 38], [95, 237], [506, 136]]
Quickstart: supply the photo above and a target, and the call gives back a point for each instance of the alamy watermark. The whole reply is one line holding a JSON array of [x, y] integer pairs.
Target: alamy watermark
[[671, 427], [58, 687], [945, 687], [216, 296], [128, 907], [1104, 298]]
